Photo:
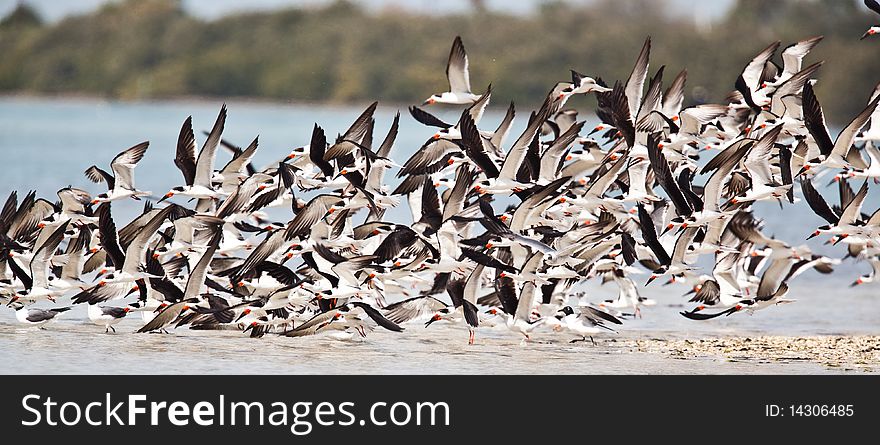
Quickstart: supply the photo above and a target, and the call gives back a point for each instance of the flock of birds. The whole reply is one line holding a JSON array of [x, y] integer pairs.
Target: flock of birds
[[621, 200]]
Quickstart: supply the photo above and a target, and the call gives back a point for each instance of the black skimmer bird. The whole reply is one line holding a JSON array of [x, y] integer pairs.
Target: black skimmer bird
[[459, 78], [463, 294], [873, 6], [586, 322], [190, 294], [538, 218], [345, 321], [120, 184], [198, 172], [35, 317], [107, 316], [871, 277], [38, 287], [833, 154]]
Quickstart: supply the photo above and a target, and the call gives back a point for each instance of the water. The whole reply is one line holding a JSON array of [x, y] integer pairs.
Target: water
[[46, 144]]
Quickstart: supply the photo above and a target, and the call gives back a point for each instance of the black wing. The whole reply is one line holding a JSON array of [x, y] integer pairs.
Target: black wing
[[473, 145], [817, 202], [505, 288], [431, 214], [401, 238], [185, 158], [650, 236], [664, 176], [455, 289], [471, 313], [426, 118], [378, 317], [96, 175], [685, 184], [487, 260], [814, 120], [279, 272], [109, 240], [316, 151], [785, 170], [628, 249]]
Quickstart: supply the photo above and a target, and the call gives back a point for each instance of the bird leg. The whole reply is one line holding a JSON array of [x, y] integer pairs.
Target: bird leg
[[471, 337], [114, 329]]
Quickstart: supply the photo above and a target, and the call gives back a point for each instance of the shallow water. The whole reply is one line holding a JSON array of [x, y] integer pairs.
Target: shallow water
[[47, 144], [75, 347]]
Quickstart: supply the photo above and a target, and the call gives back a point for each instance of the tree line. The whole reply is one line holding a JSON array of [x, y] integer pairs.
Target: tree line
[[341, 52]]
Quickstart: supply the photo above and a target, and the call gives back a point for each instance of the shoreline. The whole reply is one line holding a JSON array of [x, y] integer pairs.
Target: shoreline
[[79, 347], [498, 106], [844, 352]]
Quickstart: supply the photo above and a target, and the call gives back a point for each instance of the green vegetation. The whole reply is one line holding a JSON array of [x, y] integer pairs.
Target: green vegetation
[[342, 53]]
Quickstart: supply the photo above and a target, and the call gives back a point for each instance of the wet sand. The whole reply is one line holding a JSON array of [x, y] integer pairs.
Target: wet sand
[[71, 346], [846, 353]]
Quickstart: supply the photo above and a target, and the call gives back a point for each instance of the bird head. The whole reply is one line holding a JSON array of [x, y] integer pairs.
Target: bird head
[[436, 317], [250, 326], [598, 128], [244, 313]]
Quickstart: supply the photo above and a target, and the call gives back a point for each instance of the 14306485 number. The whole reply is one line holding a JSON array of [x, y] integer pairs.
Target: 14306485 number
[[821, 410]]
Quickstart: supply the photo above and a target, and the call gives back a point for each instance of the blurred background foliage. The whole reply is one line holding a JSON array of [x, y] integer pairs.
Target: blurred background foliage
[[343, 53]]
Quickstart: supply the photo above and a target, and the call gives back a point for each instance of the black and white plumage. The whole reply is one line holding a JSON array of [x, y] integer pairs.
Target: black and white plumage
[[458, 75], [120, 183], [499, 233], [35, 317]]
